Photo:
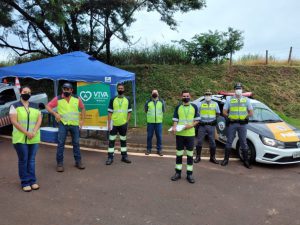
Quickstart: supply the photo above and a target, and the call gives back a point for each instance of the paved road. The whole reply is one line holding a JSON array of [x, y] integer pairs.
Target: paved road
[[142, 193]]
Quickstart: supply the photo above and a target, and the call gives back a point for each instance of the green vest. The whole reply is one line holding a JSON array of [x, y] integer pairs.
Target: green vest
[[68, 110], [155, 112], [120, 111], [208, 111], [186, 115], [27, 120], [238, 108]]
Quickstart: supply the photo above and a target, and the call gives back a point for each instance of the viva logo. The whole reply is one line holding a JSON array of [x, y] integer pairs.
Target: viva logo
[[86, 95]]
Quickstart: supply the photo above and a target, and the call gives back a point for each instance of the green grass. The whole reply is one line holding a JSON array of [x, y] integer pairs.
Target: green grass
[[294, 122]]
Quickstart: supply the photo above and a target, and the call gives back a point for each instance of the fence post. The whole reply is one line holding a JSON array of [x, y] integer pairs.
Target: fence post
[[290, 55], [267, 57]]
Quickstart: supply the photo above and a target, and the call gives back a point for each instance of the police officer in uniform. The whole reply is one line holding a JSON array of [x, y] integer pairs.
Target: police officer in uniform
[[208, 110], [69, 119], [119, 111], [155, 108], [186, 115], [238, 109]]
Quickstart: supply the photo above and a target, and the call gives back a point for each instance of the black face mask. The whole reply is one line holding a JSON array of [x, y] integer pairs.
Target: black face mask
[[67, 94], [185, 100], [25, 97], [120, 92], [154, 95]]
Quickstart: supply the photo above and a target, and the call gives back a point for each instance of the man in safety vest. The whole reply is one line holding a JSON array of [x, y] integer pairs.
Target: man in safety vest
[[69, 119], [185, 118], [208, 110], [119, 111], [238, 109], [155, 108]]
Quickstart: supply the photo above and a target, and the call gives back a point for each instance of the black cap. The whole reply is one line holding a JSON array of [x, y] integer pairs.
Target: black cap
[[238, 86], [67, 85]]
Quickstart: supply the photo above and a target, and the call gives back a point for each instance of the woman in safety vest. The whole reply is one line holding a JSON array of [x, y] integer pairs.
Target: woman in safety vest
[[26, 119]]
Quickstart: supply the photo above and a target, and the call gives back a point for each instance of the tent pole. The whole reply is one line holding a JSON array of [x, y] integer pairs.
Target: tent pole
[[55, 87], [134, 101]]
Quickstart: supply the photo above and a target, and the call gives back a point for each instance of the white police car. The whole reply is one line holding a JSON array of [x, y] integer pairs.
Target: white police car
[[270, 139]]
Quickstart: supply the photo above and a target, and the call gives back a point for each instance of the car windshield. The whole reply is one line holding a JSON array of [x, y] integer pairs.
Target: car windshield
[[261, 113]]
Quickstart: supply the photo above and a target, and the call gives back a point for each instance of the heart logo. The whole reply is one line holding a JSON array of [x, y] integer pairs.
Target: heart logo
[[85, 95]]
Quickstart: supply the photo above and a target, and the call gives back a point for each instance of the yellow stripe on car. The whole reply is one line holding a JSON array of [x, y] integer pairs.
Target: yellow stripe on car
[[282, 132]]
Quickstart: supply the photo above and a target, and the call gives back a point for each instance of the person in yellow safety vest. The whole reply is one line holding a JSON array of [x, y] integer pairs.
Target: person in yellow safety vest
[[155, 108], [119, 111], [208, 110], [70, 119], [238, 109], [185, 118], [26, 119]]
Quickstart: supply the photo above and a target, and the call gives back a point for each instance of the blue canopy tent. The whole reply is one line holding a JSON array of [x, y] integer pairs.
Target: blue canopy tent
[[74, 66]]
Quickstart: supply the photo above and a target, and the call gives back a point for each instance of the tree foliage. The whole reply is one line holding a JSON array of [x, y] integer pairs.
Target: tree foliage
[[51, 27], [213, 47]]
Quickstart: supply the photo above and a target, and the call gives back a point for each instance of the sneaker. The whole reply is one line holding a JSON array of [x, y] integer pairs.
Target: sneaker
[[26, 188], [80, 165], [35, 186], [60, 168], [147, 152], [159, 153]]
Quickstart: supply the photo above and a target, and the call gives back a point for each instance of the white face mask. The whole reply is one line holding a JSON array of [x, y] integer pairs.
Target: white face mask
[[207, 98], [238, 92]]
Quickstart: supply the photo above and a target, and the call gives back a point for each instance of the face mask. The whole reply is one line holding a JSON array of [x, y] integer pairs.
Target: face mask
[[120, 92], [185, 100], [207, 98], [67, 94], [25, 97], [238, 92], [154, 95]]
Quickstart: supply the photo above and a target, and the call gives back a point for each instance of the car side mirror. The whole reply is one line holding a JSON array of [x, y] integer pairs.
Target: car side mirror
[[41, 106]]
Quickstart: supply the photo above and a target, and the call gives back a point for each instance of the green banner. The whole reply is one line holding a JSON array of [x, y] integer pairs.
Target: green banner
[[95, 97]]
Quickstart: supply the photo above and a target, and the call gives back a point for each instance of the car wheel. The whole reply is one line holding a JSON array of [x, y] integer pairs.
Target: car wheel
[[251, 152]]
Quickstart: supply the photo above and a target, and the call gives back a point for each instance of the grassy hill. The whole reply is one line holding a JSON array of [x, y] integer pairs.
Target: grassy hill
[[277, 86]]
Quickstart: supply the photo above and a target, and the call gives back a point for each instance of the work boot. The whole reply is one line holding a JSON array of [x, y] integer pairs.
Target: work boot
[[79, 165], [176, 177], [226, 157], [60, 168], [190, 178], [246, 159], [160, 153], [109, 161], [125, 159], [213, 156], [198, 154]]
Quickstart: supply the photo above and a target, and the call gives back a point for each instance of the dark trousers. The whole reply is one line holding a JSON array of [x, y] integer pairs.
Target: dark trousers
[[26, 155], [241, 129], [187, 143], [210, 132], [122, 130], [157, 128]]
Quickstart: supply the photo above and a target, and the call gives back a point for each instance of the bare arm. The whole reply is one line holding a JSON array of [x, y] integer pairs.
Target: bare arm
[[109, 121], [14, 121], [128, 117], [82, 116], [225, 112], [55, 114]]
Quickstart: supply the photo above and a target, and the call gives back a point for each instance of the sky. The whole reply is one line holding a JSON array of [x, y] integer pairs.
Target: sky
[[271, 25]]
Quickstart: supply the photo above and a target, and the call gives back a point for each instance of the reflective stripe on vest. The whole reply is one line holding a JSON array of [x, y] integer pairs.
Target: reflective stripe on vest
[[238, 109], [186, 116], [69, 111], [208, 111], [120, 111], [27, 120], [155, 112]]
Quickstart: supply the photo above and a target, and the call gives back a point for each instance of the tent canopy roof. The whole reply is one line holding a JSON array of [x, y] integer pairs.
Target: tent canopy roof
[[74, 66]]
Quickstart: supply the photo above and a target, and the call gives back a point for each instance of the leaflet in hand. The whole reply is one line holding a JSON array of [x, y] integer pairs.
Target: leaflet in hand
[[178, 128]]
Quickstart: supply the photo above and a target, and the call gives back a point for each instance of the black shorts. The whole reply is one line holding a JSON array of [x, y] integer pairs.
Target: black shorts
[[186, 142], [122, 130]]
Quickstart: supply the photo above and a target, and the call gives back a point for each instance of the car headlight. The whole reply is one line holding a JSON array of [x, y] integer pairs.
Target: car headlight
[[271, 142]]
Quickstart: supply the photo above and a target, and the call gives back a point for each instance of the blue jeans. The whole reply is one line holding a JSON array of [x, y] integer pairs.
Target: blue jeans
[[62, 134], [151, 128], [210, 131], [26, 154]]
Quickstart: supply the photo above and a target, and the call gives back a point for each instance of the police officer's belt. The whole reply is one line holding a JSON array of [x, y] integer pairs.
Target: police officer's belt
[[239, 121], [212, 123]]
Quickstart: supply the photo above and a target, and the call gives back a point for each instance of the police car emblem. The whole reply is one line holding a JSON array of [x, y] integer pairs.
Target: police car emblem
[[221, 125], [298, 144]]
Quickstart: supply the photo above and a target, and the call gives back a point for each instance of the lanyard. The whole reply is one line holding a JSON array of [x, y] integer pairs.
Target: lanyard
[[120, 103], [186, 112]]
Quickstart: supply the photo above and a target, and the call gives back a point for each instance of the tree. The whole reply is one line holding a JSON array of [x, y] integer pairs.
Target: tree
[[213, 47], [51, 27]]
